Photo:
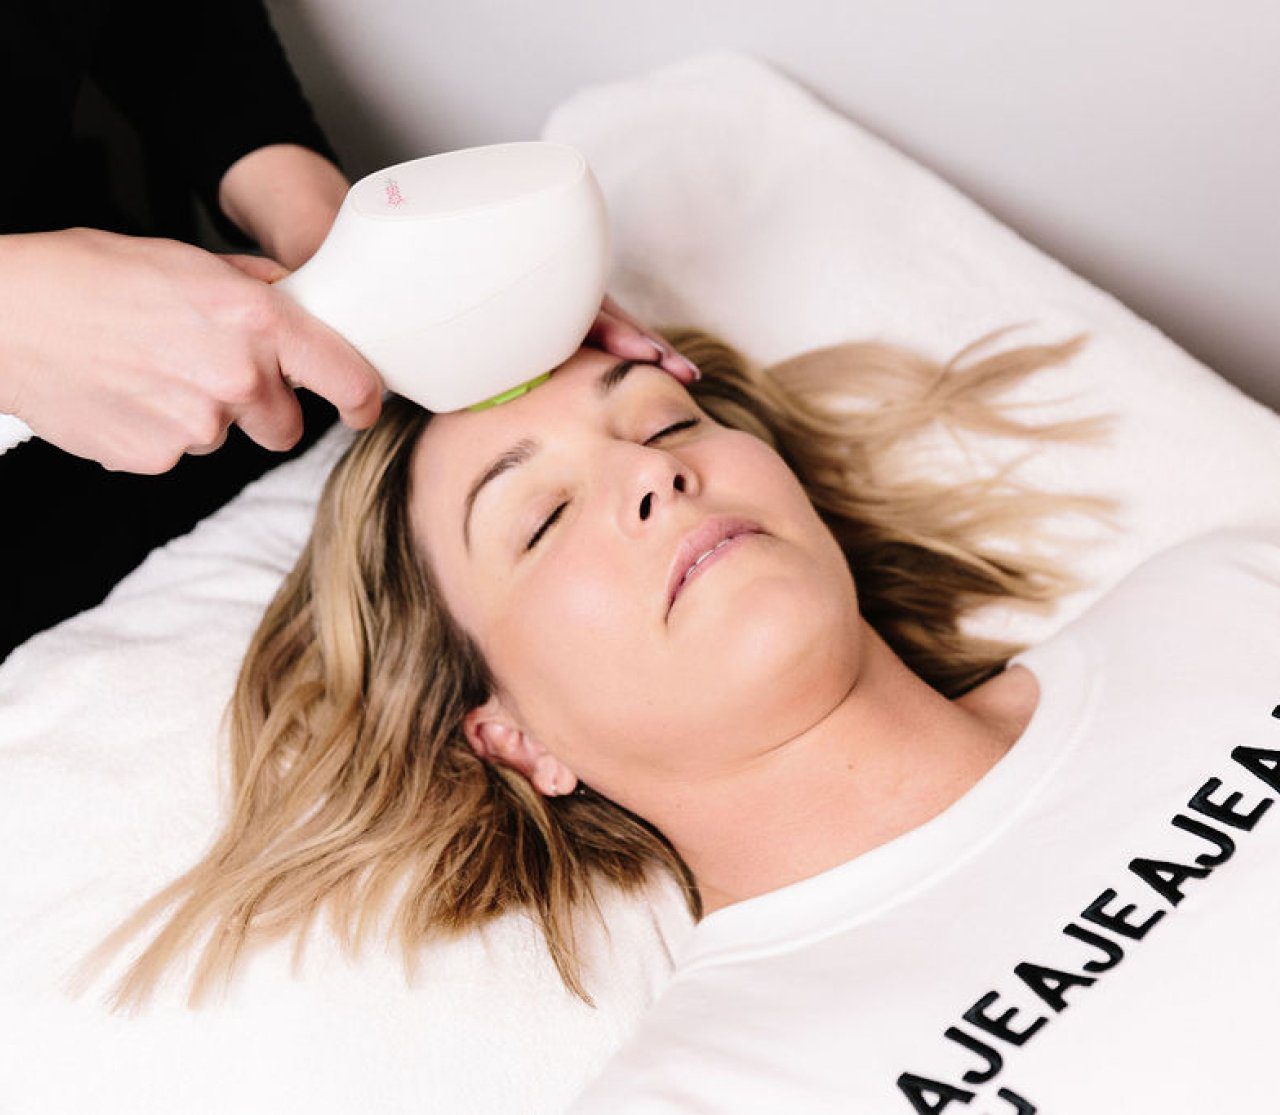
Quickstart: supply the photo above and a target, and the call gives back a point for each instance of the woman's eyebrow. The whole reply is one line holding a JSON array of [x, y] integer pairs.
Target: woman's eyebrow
[[526, 448]]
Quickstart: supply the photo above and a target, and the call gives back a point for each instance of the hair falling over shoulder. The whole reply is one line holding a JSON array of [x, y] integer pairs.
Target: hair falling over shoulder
[[353, 788]]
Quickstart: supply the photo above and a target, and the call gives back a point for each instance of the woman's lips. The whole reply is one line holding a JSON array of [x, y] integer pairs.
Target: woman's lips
[[711, 559], [719, 536]]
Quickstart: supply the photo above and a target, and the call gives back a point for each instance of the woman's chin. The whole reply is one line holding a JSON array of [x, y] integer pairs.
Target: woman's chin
[[760, 626]]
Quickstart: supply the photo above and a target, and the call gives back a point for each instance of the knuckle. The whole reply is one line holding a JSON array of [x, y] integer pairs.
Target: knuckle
[[362, 392], [289, 429], [275, 429], [258, 311], [158, 460], [239, 384], [208, 428]]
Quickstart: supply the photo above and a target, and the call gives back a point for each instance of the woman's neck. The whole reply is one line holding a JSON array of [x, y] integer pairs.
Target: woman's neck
[[890, 756]]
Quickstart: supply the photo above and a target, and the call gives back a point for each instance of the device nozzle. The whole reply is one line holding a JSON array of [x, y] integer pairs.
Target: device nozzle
[[506, 396]]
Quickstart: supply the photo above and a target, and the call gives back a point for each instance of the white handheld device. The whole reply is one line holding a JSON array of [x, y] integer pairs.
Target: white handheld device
[[464, 278]]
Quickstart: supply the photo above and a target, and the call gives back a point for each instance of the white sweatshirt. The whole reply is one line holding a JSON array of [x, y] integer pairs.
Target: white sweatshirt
[[1093, 927]]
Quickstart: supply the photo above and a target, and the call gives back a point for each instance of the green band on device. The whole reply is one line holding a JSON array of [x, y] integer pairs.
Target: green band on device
[[507, 395]]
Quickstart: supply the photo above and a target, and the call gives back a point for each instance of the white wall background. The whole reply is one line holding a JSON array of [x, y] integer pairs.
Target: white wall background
[[1138, 141]]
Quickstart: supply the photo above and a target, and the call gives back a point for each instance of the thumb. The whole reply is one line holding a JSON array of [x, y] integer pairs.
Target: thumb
[[263, 268]]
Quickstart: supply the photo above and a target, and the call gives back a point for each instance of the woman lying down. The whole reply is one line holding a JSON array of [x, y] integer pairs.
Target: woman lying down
[[619, 626]]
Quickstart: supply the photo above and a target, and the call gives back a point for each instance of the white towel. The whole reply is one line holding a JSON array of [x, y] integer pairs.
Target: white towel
[[13, 431]]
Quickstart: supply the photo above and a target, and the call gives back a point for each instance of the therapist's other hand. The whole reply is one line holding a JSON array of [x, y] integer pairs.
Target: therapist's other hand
[[616, 331], [132, 351]]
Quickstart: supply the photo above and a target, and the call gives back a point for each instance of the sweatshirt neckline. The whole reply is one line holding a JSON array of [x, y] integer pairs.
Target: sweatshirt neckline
[[1065, 667]]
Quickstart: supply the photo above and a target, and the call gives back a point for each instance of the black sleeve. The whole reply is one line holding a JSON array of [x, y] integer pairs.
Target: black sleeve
[[209, 81]]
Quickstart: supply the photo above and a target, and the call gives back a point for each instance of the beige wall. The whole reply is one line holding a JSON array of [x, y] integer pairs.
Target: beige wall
[[1138, 141]]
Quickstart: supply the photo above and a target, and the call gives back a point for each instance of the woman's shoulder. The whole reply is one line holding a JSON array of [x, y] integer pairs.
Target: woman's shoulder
[[1244, 556], [1220, 584], [1219, 588], [1253, 542]]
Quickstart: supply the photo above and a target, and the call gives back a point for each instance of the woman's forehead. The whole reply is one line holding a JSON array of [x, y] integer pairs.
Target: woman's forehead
[[456, 448], [462, 442], [568, 378]]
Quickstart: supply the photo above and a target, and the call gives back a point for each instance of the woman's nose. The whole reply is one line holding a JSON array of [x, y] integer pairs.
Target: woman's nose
[[675, 481]]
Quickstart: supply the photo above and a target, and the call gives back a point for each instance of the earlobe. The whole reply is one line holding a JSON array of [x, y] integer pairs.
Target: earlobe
[[551, 777], [495, 739]]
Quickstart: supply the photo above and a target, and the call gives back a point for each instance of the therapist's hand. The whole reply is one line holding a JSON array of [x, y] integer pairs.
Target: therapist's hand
[[616, 331], [132, 351]]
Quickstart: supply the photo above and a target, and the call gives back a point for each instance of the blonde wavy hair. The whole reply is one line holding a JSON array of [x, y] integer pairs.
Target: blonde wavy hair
[[354, 787]]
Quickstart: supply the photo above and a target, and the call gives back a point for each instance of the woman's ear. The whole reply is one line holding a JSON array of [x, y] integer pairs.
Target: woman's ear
[[494, 736]]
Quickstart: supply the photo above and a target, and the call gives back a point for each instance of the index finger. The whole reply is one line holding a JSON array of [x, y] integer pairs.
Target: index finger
[[617, 330], [314, 356]]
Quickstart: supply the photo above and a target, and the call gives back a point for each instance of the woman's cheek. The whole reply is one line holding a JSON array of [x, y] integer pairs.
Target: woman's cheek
[[593, 599]]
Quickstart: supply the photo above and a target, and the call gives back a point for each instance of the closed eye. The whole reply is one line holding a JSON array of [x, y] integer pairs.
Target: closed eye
[[556, 513]]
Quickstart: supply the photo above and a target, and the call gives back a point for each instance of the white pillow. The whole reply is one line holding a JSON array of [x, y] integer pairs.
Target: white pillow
[[740, 204]]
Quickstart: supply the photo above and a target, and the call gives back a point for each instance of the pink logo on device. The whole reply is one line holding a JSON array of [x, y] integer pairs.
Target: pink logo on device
[[394, 196]]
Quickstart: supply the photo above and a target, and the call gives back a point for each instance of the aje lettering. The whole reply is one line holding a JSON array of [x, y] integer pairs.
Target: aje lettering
[[1210, 818]]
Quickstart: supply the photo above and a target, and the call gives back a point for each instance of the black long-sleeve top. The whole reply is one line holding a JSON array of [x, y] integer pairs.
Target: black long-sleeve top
[[202, 81]]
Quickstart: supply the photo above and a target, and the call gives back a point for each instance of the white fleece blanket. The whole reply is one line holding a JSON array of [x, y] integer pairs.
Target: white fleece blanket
[[739, 203]]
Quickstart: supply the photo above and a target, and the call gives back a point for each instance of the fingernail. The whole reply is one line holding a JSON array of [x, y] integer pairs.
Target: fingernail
[[697, 372]]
